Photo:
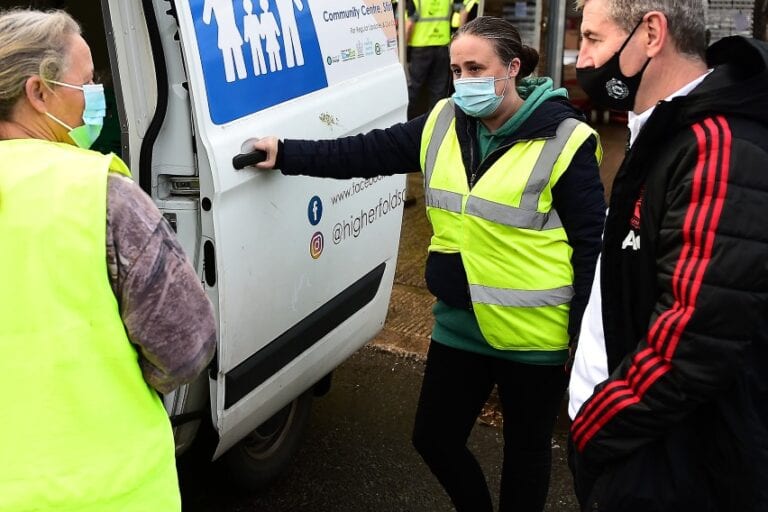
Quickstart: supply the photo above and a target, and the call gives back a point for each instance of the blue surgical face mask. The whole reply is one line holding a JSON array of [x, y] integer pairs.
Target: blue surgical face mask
[[477, 96], [93, 115]]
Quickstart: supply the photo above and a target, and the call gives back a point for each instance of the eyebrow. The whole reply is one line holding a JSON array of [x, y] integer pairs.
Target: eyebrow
[[468, 63]]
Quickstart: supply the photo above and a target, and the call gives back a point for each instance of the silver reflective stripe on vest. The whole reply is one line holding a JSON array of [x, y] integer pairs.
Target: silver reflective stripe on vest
[[520, 298], [450, 201], [526, 215], [442, 125], [441, 18], [542, 171], [511, 216]]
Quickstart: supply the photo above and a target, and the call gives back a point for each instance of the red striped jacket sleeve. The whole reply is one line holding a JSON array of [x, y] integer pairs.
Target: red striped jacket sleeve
[[701, 324]]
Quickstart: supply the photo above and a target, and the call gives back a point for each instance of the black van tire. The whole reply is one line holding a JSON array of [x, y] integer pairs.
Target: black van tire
[[266, 452]]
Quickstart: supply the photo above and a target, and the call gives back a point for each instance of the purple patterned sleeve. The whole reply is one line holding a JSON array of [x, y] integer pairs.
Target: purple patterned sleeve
[[162, 303]]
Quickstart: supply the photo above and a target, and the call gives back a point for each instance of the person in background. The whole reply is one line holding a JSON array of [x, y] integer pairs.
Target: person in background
[[669, 388], [462, 12], [100, 310], [516, 204], [427, 33]]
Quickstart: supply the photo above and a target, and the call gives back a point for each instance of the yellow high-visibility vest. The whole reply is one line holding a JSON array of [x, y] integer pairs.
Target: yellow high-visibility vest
[[433, 24], [467, 5], [513, 246], [81, 430]]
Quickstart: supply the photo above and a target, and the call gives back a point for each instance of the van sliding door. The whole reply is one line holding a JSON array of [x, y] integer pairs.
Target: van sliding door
[[299, 277]]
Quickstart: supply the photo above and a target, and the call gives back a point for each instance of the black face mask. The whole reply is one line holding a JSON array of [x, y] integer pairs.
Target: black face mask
[[607, 86]]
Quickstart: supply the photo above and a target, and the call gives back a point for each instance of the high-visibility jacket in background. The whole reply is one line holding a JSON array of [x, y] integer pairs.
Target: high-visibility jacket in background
[[432, 25], [81, 430], [512, 244], [466, 5]]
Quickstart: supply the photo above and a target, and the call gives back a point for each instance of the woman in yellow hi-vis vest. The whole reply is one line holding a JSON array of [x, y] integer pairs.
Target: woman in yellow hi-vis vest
[[513, 194], [99, 307]]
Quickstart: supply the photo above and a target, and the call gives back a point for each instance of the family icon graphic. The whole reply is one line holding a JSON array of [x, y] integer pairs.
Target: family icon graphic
[[255, 29], [252, 34], [270, 33], [230, 41], [291, 42]]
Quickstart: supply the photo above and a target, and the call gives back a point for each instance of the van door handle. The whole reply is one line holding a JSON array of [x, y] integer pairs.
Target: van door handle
[[245, 159]]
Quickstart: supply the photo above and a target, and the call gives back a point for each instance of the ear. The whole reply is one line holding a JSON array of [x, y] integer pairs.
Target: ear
[[657, 33], [38, 93], [514, 67]]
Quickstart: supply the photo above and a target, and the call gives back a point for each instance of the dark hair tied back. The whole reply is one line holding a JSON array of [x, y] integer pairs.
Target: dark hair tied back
[[529, 59], [506, 41]]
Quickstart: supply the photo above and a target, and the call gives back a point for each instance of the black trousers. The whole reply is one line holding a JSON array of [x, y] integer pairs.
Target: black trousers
[[429, 68], [456, 386]]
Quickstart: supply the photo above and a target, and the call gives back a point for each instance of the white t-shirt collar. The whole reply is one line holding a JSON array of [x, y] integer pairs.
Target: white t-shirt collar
[[635, 122]]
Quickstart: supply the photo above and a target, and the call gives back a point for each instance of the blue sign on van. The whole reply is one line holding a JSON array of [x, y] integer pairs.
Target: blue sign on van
[[256, 54]]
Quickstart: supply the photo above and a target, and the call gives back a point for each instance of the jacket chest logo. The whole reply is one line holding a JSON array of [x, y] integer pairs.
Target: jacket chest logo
[[632, 240]]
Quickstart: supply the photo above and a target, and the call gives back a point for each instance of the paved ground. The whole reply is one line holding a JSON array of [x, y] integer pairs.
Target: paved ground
[[357, 454]]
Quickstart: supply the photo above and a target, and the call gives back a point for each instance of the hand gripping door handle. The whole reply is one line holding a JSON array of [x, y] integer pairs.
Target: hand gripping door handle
[[245, 159]]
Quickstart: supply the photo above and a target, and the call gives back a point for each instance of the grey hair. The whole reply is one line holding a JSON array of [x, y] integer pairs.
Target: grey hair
[[31, 43], [685, 19]]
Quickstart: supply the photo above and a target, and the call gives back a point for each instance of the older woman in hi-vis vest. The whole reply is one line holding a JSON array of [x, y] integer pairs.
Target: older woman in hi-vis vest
[[99, 308], [512, 191]]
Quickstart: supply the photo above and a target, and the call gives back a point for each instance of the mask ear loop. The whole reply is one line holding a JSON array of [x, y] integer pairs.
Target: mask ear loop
[[63, 84], [626, 41], [506, 80], [48, 114], [56, 119], [629, 37], [642, 70]]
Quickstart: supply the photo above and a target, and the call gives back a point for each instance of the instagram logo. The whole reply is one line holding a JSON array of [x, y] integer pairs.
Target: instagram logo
[[316, 245]]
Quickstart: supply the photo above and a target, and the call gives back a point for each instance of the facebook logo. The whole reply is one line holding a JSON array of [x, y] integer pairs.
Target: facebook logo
[[315, 210]]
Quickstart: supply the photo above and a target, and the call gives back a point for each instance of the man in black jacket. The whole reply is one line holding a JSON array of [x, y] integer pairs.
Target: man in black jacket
[[669, 388]]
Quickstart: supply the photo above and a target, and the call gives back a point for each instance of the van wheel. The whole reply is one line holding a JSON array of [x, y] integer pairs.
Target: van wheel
[[264, 453]]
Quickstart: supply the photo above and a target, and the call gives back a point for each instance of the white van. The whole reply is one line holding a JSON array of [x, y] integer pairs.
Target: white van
[[299, 270]]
